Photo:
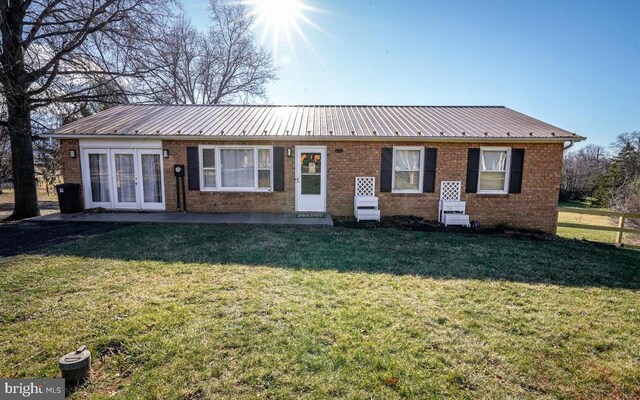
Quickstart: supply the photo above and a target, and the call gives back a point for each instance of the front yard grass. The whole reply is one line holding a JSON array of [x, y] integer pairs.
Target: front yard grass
[[199, 312]]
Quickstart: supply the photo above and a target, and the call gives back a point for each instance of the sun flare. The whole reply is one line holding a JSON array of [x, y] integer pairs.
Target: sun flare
[[279, 20]]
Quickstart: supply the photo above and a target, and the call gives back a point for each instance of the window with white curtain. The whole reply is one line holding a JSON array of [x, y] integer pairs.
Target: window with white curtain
[[235, 168], [493, 174], [407, 169]]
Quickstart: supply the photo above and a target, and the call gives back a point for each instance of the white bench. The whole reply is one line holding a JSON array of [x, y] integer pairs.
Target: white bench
[[452, 211], [365, 202]]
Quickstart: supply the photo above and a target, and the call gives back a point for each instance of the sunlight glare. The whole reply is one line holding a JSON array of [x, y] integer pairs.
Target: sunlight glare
[[278, 19]]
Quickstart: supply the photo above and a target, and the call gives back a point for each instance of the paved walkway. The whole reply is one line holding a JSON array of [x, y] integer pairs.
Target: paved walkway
[[186, 218]]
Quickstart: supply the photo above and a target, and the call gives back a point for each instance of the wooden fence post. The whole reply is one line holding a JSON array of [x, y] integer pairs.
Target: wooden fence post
[[619, 234]]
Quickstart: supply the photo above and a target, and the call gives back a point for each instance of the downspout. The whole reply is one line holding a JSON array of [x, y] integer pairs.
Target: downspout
[[568, 146]]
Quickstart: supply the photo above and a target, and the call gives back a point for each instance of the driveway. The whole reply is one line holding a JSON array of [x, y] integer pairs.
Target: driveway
[[23, 237]]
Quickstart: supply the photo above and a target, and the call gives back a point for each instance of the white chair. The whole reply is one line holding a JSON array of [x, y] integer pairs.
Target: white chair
[[451, 211], [365, 202]]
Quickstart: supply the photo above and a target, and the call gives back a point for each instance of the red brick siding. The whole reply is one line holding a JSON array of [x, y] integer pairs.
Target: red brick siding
[[70, 166], [534, 208]]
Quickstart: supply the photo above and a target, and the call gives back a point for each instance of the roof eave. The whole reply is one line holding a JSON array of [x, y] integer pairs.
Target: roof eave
[[322, 138]]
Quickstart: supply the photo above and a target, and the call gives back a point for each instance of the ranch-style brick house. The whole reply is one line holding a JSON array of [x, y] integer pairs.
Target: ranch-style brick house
[[288, 159]]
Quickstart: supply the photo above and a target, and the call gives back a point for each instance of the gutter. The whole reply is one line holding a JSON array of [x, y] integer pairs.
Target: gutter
[[323, 138]]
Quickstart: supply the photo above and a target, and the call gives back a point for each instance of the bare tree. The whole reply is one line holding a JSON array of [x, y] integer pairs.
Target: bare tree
[[627, 139], [47, 162], [57, 51], [224, 65], [581, 171]]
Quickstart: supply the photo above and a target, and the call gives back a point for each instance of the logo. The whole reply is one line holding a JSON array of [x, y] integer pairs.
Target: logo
[[33, 389]]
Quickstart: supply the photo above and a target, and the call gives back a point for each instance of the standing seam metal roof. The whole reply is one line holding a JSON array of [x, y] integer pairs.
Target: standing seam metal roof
[[315, 121]]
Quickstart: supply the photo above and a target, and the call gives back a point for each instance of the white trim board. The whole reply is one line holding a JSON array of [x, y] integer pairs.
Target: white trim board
[[124, 143]]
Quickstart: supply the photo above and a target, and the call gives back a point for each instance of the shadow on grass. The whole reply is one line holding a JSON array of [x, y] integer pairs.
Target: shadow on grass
[[385, 251]]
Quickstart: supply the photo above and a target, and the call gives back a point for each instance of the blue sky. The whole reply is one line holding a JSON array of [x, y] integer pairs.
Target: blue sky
[[575, 64]]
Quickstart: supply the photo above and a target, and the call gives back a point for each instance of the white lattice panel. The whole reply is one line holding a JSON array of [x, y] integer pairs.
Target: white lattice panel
[[450, 190], [365, 186]]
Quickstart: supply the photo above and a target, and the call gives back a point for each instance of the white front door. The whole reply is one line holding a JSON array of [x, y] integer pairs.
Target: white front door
[[123, 178], [311, 179]]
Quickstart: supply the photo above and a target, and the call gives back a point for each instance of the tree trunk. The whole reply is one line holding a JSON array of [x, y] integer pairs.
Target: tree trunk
[[16, 87], [24, 177]]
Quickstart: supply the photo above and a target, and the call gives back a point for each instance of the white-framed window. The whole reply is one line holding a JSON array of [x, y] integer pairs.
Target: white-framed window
[[408, 167], [236, 168], [208, 157], [493, 175]]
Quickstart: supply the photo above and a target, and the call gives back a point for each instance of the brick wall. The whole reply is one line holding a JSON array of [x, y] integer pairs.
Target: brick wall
[[534, 208], [71, 166], [224, 202]]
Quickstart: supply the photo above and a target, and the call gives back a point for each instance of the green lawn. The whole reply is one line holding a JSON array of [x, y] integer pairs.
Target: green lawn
[[207, 312]]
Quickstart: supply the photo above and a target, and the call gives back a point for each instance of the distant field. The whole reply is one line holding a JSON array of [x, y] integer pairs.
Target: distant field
[[585, 234]]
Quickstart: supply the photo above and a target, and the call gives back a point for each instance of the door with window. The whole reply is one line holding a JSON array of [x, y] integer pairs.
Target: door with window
[[123, 178], [150, 193], [311, 179], [96, 171]]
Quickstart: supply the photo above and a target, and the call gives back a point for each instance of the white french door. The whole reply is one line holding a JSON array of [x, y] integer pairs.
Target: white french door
[[311, 179], [96, 178], [123, 178], [151, 179]]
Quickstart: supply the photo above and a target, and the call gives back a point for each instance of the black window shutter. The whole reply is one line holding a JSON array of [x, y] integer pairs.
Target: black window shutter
[[515, 174], [278, 169], [429, 175], [473, 165], [386, 169], [193, 168]]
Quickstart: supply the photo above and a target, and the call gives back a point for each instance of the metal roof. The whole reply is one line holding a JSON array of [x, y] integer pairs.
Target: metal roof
[[326, 122]]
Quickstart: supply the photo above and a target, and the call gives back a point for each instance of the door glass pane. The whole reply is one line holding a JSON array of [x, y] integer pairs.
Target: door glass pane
[[310, 184], [125, 178], [237, 168], [310, 173], [99, 176], [310, 163], [151, 176]]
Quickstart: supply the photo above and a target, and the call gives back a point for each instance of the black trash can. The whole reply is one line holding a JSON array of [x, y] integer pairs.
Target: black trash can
[[69, 198]]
